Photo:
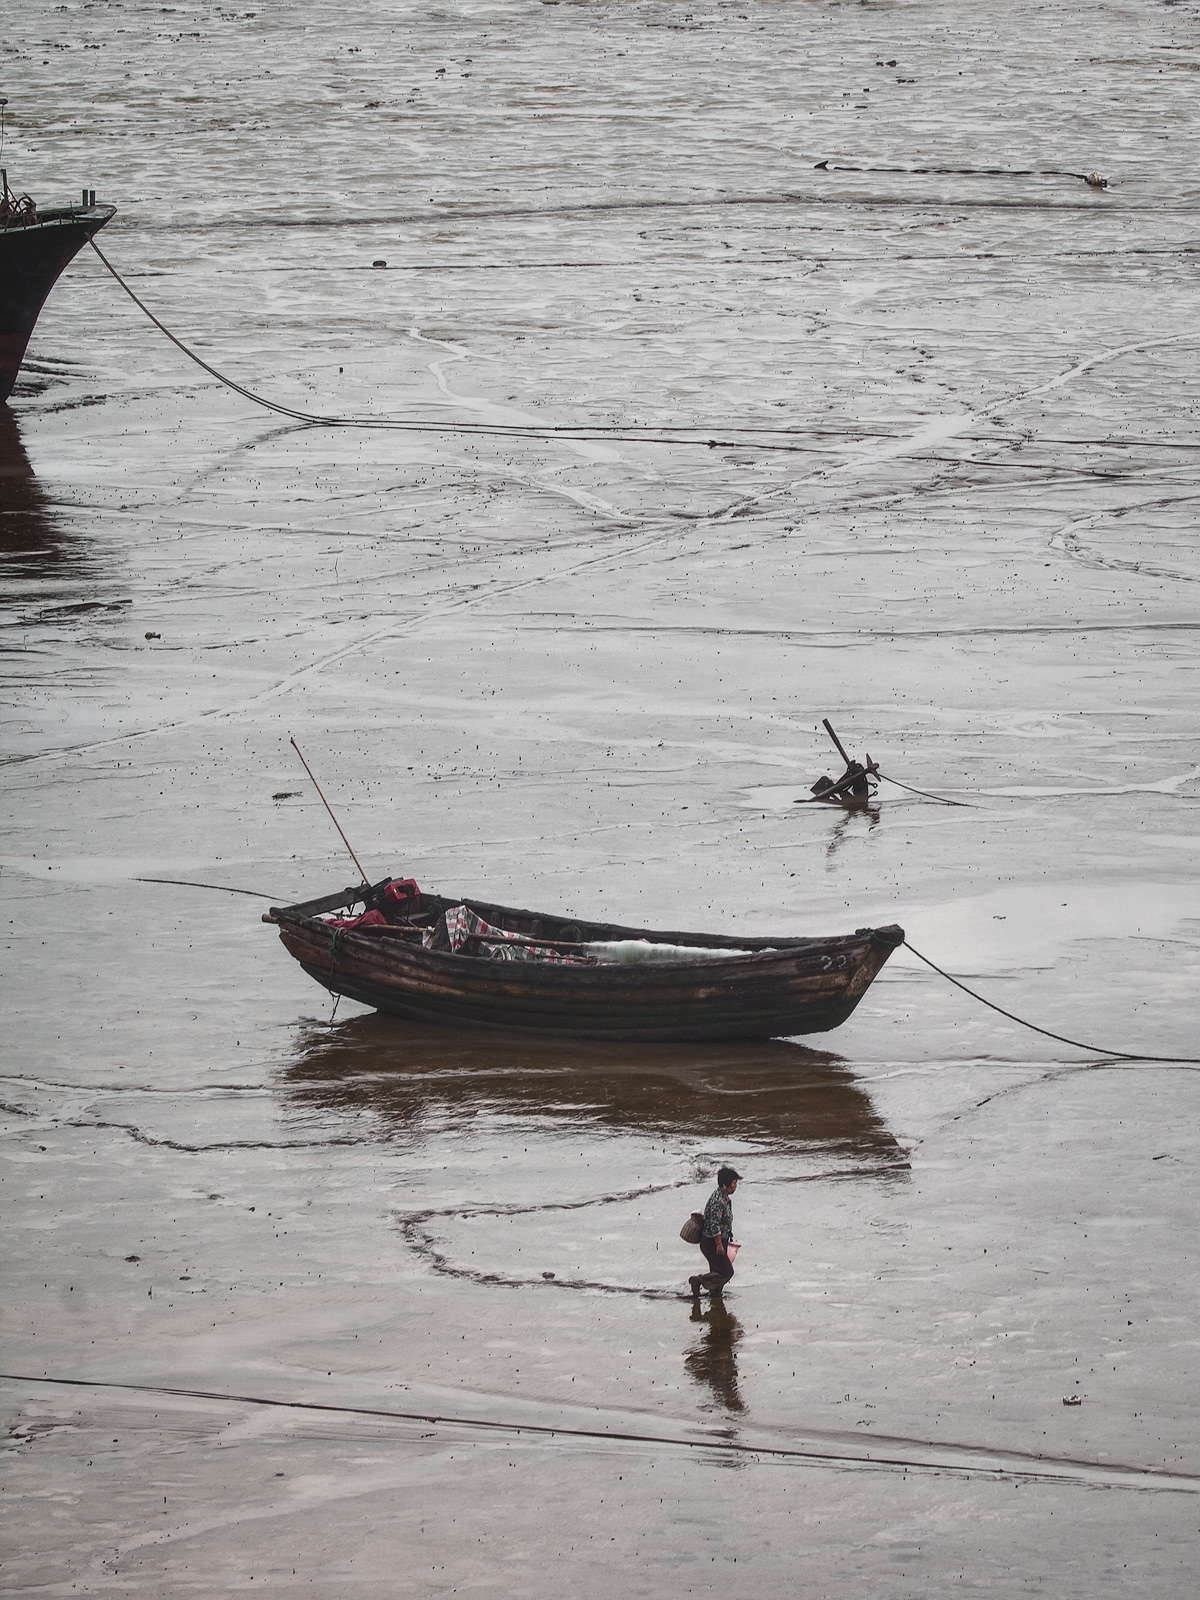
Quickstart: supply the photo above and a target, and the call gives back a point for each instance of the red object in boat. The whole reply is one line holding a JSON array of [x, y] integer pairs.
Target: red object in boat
[[400, 891], [369, 919], [766, 988]]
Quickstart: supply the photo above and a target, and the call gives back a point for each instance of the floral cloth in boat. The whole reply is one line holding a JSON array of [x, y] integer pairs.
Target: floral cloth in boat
[[471, 935]]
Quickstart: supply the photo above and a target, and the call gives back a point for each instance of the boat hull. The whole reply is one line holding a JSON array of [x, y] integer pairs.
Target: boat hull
[[781, 989], [31, 259]]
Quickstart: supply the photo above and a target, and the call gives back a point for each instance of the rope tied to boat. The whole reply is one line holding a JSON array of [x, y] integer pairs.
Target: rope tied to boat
[[877, 936], [629, 433], [881, 936], [1077, 1044]]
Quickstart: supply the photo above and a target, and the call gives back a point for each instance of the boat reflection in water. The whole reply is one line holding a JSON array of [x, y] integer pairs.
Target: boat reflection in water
[[401, 1082], [407, 1076], [47, 570], [32, 537], [49, 573]]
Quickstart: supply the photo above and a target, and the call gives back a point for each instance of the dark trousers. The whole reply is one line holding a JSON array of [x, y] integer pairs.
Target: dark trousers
[[720, 1263]]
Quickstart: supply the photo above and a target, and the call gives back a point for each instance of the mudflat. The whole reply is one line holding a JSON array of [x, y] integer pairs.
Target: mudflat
[[727, 441]]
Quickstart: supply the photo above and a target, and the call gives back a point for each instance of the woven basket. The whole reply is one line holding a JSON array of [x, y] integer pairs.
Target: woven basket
[[692, 1228]]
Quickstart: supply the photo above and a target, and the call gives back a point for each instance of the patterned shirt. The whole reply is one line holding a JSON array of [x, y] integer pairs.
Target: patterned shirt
[[718, 1217]]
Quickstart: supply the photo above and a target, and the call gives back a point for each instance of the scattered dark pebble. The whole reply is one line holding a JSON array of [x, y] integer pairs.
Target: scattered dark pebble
[[380, 263], [154, 636]]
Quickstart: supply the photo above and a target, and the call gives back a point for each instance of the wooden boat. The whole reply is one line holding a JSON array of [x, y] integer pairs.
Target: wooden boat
[[35, 246], [775, 988]]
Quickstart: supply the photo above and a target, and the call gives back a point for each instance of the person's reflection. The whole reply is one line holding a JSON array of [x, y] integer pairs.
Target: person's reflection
[[713, 1361]]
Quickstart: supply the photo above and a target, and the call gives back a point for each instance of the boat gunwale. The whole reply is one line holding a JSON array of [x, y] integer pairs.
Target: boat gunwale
[[760, 954], [62, 217], [404, 951]]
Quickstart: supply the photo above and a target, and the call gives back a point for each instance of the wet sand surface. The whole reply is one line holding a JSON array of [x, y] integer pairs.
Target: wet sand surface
[[353, 1306]]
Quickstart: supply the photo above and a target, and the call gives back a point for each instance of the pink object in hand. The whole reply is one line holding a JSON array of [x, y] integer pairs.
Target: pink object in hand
[[731, 1251]]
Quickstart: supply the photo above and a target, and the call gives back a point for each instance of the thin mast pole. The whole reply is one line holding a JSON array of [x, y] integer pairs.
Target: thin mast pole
[[329, 808]]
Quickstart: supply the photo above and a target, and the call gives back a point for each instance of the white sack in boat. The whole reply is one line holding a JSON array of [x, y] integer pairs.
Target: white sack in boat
[[630, 952]]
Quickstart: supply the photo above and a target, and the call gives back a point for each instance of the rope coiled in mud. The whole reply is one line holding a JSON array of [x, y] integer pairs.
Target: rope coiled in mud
[[1118, 1055]]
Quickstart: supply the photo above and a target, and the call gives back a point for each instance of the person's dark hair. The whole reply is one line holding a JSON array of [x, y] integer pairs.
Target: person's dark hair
[[726, 1176]]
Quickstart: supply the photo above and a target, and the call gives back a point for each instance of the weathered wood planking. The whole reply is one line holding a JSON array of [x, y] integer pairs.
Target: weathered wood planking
[[784, 987]]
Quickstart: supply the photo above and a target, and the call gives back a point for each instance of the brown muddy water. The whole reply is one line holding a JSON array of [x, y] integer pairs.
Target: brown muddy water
[[350, 1307]]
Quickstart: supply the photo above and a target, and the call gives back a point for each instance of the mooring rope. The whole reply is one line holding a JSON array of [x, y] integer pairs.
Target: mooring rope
[[186, 883], [924, 793], [1119, 1055], [584, 433], [1061, 1038], [969, 1460]]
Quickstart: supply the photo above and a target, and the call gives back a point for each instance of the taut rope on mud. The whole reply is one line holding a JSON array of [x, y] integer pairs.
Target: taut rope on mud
[[925, 795], [583, 433], [904, 1455], [1116, 1055]]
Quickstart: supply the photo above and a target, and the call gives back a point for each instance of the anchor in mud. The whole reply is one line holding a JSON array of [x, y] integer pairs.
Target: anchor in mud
[[855, 786]]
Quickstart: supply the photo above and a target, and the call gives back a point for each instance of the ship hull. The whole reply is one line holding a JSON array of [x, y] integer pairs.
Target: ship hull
[[31, 259]]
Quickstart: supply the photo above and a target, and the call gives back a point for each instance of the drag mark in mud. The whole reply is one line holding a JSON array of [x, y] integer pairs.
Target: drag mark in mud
[[1068, 540], [419, 1235], [218, 1089], [937, 429], [140, 1136]]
